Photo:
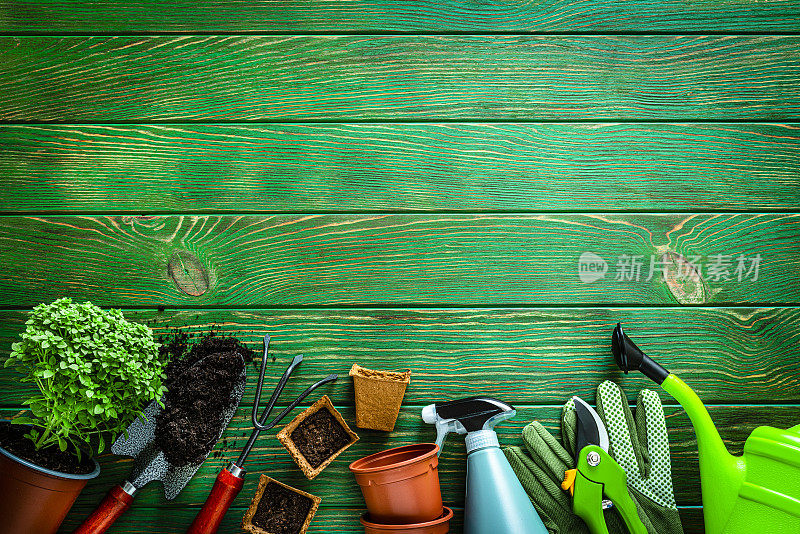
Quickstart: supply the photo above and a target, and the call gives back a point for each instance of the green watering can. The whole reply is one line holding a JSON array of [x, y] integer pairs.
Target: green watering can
[[758, 492]]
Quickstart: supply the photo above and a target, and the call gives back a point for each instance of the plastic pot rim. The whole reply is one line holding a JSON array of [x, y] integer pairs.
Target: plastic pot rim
[[366, 470], [446, 516], [49, 472]]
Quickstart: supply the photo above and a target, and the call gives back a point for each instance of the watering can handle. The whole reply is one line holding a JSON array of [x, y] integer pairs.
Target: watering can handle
[[110, 509], [225, 490]]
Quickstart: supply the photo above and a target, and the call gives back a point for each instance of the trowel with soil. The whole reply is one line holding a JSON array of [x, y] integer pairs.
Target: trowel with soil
[[171, 443], [231, 479]]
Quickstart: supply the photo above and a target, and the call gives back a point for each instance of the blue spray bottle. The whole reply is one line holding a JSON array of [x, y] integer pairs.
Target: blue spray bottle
[[496, 502]]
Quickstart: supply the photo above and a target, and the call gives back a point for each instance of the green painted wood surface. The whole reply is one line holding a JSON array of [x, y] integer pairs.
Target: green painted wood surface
[[340, 520], [728, 354], [664, 140], [260, 78], [298, 16], [385, 259], [370, 167]]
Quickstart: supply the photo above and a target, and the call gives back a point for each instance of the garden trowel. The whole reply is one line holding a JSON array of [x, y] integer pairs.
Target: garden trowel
[[149, 464]]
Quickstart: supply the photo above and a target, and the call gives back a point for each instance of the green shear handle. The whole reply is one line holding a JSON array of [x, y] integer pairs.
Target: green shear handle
[[595, 475]]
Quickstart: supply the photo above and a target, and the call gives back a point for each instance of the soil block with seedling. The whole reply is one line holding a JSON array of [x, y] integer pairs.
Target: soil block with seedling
[[316, 437], [379, 395], [279, 509]]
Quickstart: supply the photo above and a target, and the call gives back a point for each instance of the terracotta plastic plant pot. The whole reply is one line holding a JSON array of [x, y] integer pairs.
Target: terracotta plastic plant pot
[[440, 525], [379, 395], [35, 500], [401, 485]]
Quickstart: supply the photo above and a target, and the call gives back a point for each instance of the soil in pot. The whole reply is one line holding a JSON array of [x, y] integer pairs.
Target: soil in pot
[[12, 439], [319, 436], [200, 385], [316, 437], [279, 509]]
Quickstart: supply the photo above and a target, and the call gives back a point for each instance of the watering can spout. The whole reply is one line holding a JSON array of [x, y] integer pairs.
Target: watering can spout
[[721, 473]]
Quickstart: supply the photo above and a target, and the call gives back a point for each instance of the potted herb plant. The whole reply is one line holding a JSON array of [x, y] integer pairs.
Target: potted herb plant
[[94, 372]]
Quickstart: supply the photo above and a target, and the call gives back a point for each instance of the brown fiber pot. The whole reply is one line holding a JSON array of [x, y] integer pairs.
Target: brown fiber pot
[[35, 500], [401, 485], [440, 525]]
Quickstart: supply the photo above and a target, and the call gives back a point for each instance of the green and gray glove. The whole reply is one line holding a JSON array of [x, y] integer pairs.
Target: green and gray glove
[[639, 444]]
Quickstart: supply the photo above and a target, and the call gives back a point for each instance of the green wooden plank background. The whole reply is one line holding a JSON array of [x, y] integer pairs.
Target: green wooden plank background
[[298, 16], [169, 521], [246, 166], [371, 167], [384, 259], [453, 353], [258, 78]]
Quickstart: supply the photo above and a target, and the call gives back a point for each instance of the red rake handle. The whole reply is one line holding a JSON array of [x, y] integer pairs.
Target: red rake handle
[[225, 489], [112, 506]]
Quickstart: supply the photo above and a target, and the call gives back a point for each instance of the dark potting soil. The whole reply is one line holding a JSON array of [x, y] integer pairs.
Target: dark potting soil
[[12, 439], [200, 388], [281, 510], [319, 436]]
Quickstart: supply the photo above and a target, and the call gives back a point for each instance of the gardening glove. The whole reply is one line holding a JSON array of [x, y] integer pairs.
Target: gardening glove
[[541, 470], [641, 447]]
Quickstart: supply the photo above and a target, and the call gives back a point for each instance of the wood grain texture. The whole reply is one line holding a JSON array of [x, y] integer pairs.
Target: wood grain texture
[[337, 487], [369, 167], [259, 78], [332, 260], [728, 355], [339, 520], [299, 16]]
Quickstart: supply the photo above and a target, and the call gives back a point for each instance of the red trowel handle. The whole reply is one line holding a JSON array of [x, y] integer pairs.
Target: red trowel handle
[[112, 506], [225, 489]]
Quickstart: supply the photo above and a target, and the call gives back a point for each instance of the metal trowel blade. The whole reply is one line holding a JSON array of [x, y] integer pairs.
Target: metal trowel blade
[[149, 461]]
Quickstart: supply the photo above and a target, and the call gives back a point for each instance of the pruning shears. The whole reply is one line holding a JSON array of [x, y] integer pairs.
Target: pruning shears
[[598, 482]]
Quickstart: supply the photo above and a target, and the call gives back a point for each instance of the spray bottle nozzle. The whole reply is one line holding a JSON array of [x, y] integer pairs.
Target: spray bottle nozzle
[[465, 416]]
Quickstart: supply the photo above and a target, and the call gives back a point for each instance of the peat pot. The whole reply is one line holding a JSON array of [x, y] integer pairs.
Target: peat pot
[[35, 500]]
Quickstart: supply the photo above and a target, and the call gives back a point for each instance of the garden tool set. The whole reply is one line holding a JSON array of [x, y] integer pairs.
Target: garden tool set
[[231, 479], [610, 474], [149, 464]]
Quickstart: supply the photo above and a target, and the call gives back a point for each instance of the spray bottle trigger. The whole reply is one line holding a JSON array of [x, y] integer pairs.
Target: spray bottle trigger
[[443, 426]]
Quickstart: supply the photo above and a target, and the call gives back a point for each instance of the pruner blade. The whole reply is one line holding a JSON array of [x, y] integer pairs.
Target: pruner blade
[[591, 429]]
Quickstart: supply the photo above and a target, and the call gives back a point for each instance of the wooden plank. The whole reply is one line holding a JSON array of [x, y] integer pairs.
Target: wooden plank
[[299, 16], [726, 354], [338, 489], [368, 167], [344, 520], [141, 519], [297, 78], [384, 259]]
